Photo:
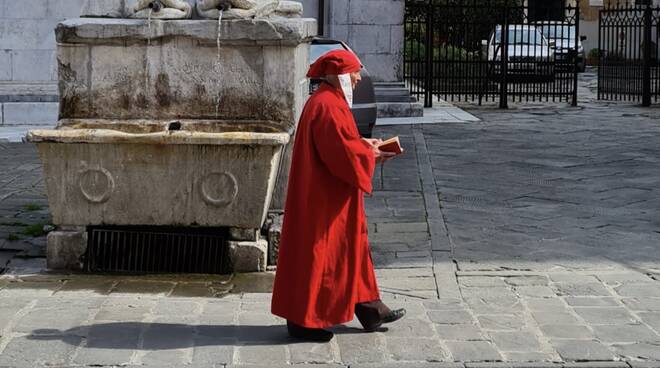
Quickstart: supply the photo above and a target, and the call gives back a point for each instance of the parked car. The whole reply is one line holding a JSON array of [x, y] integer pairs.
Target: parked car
[[563, 34], [530, 55], [364, 97]]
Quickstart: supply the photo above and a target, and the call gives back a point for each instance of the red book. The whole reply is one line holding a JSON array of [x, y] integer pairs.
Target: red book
[[391, 145]]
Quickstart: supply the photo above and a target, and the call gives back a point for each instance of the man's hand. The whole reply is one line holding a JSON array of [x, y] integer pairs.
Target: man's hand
[[380, 155]]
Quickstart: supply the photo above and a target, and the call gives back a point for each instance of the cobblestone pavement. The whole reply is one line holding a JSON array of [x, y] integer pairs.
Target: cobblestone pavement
[[529, 239]]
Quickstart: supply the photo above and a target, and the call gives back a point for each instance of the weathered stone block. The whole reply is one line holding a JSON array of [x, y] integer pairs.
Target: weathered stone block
[[340, 32], [415, 349], [515, 341], [652, 319], [400, 109], [40, 321], [606, 316], [591, 302], [625, 334], [109, 344], [106, 8], [567, 331], [212, 350], [339, 11], [546, 304], [369, 39], [5, 66], [64, 9], [26, 9], [582, 350], [360, 348], [501, 322], [25, 351], [248, 256], [376, 12], [33, 65], [473, 351], [382, 67], [647, 289], [311, 353], [583, 289], [65, 249], [30, 113], [239, 233], [544, 317], [451, 317], [266, 355], [183, 74], [27, 34], [217, 191], [640, 351], [643, 304], [274, 236], [459, 332]]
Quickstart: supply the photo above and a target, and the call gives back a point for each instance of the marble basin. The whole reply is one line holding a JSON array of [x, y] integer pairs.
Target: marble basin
[[163, 173]]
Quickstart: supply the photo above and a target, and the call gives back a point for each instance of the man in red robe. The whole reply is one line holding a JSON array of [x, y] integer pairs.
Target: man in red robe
[[325, 274]]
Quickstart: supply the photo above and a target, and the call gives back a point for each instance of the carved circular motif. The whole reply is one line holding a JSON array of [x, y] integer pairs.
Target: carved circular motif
[[96, 184], [219, 189]]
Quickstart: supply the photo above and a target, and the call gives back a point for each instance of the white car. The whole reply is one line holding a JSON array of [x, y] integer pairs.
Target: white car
[[563, 34], [531, 57]]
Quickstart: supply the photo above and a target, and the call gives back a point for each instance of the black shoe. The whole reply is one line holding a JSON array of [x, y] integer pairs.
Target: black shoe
[[394, 315], [309, 334]]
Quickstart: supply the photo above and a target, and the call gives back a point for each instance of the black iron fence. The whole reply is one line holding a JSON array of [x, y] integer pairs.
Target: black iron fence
[[492, 50], [629, 68]]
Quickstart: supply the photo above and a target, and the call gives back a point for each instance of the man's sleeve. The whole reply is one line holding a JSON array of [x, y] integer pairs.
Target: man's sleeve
[[342, 150]]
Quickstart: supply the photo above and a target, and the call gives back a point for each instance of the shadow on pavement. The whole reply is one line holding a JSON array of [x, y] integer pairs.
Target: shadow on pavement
[[166, 336]]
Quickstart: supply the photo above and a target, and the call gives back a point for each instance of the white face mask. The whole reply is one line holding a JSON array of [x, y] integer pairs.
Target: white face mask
[[347, 88]]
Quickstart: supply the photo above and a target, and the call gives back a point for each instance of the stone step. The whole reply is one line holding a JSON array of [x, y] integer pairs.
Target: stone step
[[397, 98], [392, 91], [400, 109], [378, 85]]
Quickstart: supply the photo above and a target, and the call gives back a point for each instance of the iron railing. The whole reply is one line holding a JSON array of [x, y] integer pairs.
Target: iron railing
[[492, 50], [628, 62], [157, 250]]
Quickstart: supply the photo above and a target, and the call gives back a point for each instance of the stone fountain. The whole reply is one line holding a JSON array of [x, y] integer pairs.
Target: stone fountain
[[170, 119]]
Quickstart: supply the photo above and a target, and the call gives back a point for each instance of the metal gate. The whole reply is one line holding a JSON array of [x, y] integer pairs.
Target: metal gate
[[628, 68], [492, 50], [157, 250]]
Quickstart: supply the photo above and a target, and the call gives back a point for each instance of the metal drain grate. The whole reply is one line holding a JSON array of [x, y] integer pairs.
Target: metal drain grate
[[157, 250]]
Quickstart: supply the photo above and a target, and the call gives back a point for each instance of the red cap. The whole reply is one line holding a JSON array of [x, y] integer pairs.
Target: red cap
[[334, 62]]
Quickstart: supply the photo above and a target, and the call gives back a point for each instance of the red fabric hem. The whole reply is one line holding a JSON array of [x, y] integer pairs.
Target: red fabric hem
[[325, 324]]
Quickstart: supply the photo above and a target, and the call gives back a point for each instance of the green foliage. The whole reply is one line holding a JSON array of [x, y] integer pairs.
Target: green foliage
[[34, 231], [31, 207], [442, 52], [13, 237], [594, 53]]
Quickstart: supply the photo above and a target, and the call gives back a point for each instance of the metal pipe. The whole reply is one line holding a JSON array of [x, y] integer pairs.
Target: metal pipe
[[321, 16], [224, 5], [156, 6]]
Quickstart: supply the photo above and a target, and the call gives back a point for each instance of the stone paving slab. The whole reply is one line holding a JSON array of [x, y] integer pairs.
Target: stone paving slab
[[526, 239]]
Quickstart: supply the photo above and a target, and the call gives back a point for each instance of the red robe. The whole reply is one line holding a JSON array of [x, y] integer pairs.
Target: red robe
[[324, 264]]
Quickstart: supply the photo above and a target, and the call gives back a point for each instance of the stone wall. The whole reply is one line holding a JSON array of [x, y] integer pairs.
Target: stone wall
[[28, 73], [27, 39], [374, 29]]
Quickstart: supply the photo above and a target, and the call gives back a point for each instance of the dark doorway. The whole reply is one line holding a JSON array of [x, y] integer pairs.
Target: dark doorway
[[540, 10]]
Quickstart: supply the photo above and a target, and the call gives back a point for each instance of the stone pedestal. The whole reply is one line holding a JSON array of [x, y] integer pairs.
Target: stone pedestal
[[248, 256], [66, 248]]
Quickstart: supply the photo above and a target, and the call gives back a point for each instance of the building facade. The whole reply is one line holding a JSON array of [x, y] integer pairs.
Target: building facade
[[28, 67]]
